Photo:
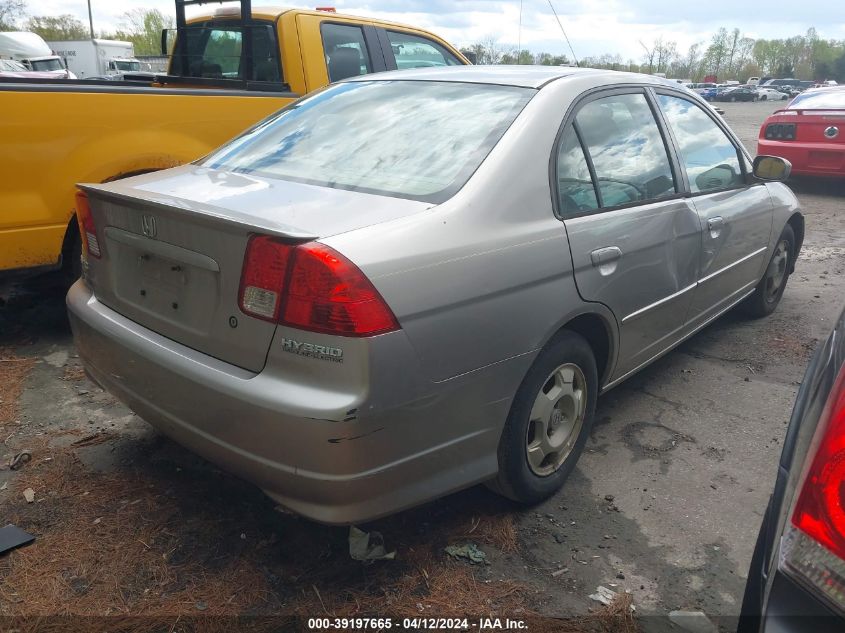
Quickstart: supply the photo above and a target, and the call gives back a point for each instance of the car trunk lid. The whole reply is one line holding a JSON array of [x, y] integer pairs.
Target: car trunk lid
[[172, 249]]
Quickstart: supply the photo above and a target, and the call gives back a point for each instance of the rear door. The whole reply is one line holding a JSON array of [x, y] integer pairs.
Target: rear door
[[337, 48], [735, 212], [634, 238], [403, 50]]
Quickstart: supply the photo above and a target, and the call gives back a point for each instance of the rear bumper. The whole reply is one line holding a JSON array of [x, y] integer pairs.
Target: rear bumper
[[259, 426], [808, 159]]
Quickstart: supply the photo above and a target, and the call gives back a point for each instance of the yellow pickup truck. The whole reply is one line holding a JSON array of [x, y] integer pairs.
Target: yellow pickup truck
[[225, 74]]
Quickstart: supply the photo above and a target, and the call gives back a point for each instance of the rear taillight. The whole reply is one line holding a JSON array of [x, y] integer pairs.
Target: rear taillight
[[780, 131], [813, 548], [311, 287], [87, 228], [263, 277]]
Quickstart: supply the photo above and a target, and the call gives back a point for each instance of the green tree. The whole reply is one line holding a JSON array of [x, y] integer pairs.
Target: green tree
[[56, 28], [143, 28], [10, 12]]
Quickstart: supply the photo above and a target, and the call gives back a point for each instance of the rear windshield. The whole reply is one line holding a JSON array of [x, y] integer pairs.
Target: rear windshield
[[821, 99], [409, 139]]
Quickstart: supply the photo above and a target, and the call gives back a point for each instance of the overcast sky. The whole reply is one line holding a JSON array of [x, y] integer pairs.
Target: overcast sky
[[594, 26]]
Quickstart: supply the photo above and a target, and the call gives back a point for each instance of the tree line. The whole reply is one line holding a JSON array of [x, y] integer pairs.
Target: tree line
[[142, 27], [728, 55]]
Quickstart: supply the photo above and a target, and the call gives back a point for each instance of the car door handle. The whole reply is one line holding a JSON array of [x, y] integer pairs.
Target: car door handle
[[602, 256], [715, 225]]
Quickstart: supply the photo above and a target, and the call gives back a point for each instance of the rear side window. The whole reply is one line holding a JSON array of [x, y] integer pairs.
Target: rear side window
[[624, 143], [576, 192], [412, 51], [708, 155], [420, 140], [215, 51], [346, 51]]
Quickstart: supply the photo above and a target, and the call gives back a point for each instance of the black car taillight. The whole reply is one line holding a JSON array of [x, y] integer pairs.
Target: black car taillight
[[780, 131], [813, 545]]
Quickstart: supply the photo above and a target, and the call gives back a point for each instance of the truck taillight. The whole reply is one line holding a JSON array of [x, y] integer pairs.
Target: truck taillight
[[813, 548], [87, 228], [311, 287]]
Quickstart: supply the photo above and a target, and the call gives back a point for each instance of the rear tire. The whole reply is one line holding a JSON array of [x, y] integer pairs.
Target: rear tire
[[72, 257], [549, 421], [768, 293]]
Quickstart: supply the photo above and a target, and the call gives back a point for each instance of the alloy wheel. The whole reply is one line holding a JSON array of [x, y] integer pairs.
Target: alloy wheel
[[776, 272], [556, 419]]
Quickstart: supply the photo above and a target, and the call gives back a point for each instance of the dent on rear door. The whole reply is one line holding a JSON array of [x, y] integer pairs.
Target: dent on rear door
[[734, 251]]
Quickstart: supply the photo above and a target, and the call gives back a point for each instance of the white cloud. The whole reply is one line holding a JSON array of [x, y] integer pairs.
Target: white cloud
[[594, 26]]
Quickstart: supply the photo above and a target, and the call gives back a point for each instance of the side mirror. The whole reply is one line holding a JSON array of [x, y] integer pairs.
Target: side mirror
[[772, 168], [168, 36], [471, 56]]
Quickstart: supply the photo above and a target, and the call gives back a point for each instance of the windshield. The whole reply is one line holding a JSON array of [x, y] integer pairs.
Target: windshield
[[821, 99], [47, 64], [126, 65], [410, 139]]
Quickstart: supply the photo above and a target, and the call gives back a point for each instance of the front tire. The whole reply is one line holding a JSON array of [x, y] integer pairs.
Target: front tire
[[549, 421], [768, 293]]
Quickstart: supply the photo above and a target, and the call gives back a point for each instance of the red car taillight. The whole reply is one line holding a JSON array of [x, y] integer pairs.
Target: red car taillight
[[87, 228], [311, 287], [814, 547]]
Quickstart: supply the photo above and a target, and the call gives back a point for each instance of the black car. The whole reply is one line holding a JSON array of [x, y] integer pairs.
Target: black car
[[736, 94], [796, 583]]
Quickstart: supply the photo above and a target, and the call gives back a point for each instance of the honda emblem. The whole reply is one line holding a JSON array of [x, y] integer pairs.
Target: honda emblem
[[148, 225]]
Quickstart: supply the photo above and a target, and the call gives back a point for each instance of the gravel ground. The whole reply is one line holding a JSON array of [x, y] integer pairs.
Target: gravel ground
[[665, 503]]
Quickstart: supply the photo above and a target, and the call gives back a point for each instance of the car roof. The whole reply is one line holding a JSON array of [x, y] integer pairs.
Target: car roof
[[519, 76]]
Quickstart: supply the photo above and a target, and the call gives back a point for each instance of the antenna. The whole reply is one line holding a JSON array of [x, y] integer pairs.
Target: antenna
[[519, 37], [564, 32]]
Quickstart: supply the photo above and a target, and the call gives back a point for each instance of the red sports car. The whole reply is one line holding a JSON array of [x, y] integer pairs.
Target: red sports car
[[809, 133]]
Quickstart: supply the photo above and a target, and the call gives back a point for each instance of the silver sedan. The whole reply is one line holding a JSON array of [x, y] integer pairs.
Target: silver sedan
[[408, 284]]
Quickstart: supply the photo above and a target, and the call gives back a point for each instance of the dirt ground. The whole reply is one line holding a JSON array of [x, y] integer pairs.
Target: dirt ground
[[665, 503]]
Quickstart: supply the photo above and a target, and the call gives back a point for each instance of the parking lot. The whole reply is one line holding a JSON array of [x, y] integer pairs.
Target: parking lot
[[665, 502]]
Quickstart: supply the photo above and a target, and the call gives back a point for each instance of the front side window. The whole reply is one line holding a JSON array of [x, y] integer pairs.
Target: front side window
[[409, 139], [346, 51], [576, 192], [708, 155], [630, 159], [412, 51]]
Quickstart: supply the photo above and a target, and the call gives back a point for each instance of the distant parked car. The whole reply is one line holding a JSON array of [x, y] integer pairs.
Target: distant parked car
[[737, 94], [796, 582], [359, 335], [710, 94], [809, 133], [770, 94]]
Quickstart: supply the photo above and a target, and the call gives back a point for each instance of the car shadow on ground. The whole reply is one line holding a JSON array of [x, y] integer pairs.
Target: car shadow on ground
[[818, 186]]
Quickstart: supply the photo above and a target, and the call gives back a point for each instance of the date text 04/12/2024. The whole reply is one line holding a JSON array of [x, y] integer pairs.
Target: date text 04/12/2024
[[422, 623]]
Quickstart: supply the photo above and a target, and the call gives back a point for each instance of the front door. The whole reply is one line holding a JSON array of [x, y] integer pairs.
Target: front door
[[735, 213], [634, 239]]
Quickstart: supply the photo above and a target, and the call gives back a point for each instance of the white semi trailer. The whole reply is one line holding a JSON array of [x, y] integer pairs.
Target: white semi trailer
[[97, 58]]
